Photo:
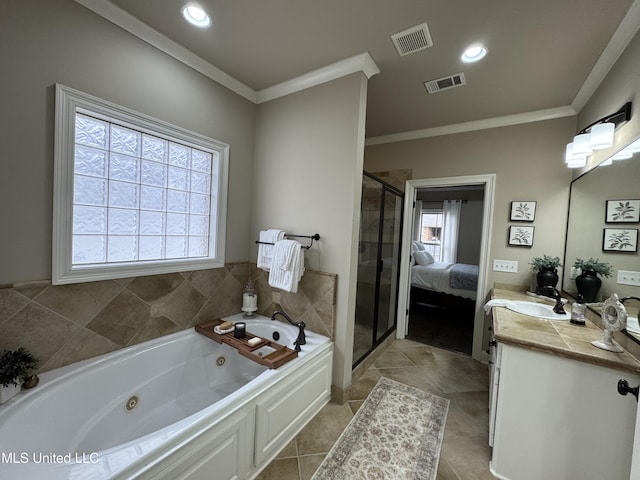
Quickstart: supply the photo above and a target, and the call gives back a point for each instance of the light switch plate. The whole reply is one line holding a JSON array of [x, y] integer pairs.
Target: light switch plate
[[627, 277], [510, 266]]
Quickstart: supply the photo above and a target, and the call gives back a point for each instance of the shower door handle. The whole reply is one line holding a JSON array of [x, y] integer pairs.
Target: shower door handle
[[381, 268]]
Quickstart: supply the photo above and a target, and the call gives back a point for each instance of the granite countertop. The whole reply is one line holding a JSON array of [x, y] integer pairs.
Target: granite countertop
[[554, 336]]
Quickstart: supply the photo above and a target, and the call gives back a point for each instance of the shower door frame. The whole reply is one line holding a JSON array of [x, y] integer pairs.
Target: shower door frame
[[375, 342]]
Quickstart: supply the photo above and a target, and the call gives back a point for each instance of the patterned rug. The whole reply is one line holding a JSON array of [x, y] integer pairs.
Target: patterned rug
[[396, 434]]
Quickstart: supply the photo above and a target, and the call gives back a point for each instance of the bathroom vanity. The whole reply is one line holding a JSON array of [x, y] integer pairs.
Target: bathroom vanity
[[555, 411]]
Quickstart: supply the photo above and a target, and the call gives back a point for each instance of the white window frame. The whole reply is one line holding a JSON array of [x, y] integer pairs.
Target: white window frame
[[70, 101]]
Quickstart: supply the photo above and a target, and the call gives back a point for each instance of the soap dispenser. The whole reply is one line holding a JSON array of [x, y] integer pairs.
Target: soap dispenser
[[577, 311]]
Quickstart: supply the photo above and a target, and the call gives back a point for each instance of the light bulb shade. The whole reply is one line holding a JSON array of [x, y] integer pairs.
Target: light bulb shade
[[577, 163], [602, 135], [582, 145], [623, 155], [571, 156], [568, 154]]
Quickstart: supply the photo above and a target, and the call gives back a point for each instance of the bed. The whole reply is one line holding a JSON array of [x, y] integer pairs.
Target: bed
[[453, 278], [449, 285], [442, 284]]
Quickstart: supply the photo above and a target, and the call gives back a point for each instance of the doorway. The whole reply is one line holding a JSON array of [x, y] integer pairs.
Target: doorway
[[442, 295], [487, 184]]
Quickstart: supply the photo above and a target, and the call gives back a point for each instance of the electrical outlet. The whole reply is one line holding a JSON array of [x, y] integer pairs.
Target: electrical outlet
[[626, 277], [509, 266], [575, 272]]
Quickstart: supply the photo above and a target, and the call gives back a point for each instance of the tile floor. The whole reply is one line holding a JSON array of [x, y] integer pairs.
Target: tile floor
[[465, 452]]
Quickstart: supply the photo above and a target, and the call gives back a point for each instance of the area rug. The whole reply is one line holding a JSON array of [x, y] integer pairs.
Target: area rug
[[396, 434]]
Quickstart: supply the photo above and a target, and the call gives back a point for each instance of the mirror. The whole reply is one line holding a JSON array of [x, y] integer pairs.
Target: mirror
[[598, 214]]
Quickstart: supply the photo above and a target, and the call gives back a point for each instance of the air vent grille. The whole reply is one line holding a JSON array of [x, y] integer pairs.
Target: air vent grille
[[412, 40], [445, 83]]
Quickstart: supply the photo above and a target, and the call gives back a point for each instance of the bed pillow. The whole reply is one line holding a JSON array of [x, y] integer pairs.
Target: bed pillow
[[417, 246], [423, 257]]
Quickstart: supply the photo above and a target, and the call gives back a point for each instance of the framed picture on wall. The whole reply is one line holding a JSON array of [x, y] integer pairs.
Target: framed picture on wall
[[622, 211], [522, 211], [521, 236], [620, 240]]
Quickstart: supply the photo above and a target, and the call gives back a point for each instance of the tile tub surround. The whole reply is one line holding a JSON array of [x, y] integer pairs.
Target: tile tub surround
[[557, 337], [68, 323]]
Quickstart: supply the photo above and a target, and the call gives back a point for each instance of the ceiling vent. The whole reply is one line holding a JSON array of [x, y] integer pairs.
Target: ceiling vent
[[444, 83], [412, 40]]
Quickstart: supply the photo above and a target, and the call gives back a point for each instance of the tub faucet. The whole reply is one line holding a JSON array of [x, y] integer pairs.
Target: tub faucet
[[555, 294], [302, 339]]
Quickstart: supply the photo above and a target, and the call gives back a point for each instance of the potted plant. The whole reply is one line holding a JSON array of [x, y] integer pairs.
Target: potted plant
[[16, 366], [547, 268], [588, 282]]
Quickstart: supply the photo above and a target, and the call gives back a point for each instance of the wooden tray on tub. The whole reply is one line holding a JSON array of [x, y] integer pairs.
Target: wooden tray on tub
[[274, 359]]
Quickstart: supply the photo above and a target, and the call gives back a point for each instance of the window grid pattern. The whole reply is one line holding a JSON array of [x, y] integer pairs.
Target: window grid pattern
[[431, 231], [137, 196]]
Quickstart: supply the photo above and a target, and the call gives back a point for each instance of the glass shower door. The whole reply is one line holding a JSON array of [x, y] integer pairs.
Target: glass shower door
[[378, 265], [390, 264]]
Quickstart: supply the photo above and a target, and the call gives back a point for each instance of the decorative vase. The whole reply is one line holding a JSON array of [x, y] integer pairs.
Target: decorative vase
[[546, 277], [588, 284], [8, 392]]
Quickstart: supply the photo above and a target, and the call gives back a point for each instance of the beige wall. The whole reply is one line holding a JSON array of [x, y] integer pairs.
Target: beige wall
[[528, 163], [307, 180], [44, 43]]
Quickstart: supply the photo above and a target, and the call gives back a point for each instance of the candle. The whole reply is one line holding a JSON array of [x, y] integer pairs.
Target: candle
[[240, 329], [249, 302]]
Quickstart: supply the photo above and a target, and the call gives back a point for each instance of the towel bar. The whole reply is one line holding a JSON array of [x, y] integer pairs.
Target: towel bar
[[313, 237]]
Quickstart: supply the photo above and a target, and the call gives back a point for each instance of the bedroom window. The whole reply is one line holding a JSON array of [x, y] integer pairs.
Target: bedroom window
[[133, 195], [431, 223]]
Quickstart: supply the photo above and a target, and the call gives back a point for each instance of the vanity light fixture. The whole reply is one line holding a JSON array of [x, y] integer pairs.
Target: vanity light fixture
[[196, 16], [597, 136], [473, 53]]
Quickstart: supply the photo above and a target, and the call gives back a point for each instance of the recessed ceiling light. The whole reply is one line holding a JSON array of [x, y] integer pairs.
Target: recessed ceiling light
[[196, 16], [474, 53]]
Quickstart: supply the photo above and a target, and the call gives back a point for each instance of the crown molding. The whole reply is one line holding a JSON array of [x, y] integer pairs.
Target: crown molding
[[625, 32], [357, 63], [495, 122], [131, 24], [111, 12]]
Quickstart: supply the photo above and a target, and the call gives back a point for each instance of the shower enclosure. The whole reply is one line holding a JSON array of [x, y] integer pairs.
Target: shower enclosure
[[378, 265]]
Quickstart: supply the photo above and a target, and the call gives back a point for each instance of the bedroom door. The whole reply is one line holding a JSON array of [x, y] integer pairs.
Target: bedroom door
[[378, 265]]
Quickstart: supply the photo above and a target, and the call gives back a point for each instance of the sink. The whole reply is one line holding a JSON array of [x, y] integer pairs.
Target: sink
[[540, 310]]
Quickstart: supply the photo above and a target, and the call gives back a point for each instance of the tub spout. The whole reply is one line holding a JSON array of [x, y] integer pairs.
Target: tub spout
[[302, 339]]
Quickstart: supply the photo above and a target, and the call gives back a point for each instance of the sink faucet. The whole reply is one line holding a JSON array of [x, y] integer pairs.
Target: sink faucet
[[302, 339], [555, 294]]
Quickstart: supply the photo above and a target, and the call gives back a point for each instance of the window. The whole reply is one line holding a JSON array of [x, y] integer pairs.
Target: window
[[133, 195], [431, 221]]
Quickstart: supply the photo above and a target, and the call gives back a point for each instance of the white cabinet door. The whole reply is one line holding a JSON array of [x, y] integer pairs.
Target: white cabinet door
[[561, 419], [635, 459]]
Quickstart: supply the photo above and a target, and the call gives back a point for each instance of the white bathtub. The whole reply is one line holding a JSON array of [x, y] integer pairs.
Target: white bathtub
[[200, 409]]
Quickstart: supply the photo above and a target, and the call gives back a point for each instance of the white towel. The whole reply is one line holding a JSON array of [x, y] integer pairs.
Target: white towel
[[287, 266], [265, 251], [498, 302]]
